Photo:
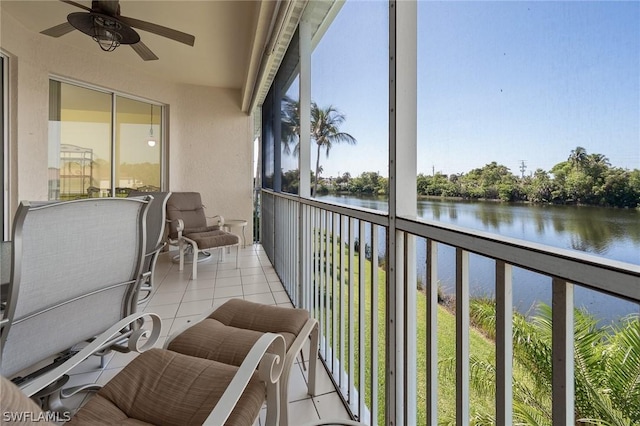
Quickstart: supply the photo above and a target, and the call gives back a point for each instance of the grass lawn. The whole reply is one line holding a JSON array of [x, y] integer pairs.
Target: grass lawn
[[481, 347]]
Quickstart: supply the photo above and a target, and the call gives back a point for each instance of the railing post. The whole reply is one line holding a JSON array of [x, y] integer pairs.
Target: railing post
[[504, 344], [462, 337], [562, 352], [432, 332]]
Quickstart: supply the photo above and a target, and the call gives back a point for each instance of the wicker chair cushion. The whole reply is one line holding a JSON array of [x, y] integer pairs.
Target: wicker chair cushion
[[162, 387]]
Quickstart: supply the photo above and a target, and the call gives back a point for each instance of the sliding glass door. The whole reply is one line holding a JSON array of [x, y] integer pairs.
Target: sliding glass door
[[101, 144]]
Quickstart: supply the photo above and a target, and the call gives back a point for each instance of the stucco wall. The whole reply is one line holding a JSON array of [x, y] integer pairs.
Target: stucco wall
[[210, 146]]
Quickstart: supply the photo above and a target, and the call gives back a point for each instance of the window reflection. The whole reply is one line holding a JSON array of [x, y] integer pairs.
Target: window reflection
[[81, 154]]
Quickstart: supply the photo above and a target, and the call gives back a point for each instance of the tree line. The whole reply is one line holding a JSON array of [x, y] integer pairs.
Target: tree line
[[583, 178]]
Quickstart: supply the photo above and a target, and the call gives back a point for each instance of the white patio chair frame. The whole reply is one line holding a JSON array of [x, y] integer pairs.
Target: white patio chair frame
[[57, 282]]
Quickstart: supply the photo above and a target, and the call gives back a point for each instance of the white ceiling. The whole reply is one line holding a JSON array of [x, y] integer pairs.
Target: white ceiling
[[224, 36]]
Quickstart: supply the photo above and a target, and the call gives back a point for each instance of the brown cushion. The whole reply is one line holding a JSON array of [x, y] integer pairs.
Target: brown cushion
[[197, 230], [188, 207], [241, 313], [213, 239], [15, 403], [213, 340], [101, 411], [162, 387]]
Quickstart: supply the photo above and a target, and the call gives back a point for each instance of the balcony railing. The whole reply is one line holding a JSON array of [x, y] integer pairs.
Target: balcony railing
[[327, 257]]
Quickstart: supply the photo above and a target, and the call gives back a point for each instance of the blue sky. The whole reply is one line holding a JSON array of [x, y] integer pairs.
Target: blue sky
[[497, 81]]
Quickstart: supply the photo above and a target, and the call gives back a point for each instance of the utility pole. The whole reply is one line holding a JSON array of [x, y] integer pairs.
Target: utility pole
[[433, 170], [523, 167]]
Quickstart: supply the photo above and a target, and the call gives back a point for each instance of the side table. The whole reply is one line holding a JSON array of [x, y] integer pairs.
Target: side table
[[229, 224]]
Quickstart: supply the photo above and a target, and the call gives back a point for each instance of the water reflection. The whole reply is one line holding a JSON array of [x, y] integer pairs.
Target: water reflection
[[492, 217], [588, 229], [611, 233]]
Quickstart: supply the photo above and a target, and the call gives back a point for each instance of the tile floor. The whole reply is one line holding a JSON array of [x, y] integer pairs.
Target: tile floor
[[179, 300]]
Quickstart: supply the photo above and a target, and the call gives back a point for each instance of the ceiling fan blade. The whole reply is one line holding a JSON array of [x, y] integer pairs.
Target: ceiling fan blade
[[159, 30], [73, 3], [144, 52], [58, 30]]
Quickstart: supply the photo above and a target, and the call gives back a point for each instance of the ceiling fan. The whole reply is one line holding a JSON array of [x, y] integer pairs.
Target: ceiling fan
[[103, 22]]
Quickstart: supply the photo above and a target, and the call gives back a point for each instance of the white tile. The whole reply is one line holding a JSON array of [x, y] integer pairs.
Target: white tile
[[254, 279], [201, 283], [198, 307], [330, 406], [204, 274], [281, 297], [272, 277], [182, 322], [276, 286], [227, 265], [225, 273], [217, 302], [168, 298], [166, 326], [268, 269], [266, 298], [228, 282], [255, 289], [163, 311], [303, 411], [249, 263], [119, 360], [207, 267], [199, 294], [251, 271], [234, 291], [173, 286], [297, 388], [323, 381]]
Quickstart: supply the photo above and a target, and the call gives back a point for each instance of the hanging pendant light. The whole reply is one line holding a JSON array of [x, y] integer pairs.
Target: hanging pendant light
[[152, 140]]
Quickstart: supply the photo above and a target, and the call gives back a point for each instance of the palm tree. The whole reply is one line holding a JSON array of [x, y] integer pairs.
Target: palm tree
[[325, 131], [290, 125], [607, 367], [578, 157]]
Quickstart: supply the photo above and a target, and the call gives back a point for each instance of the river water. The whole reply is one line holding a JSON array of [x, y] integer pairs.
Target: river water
[[607, 232]]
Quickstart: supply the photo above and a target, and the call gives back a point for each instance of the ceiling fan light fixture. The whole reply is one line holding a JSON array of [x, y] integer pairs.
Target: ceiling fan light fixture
[[107, 31], [108, 40]]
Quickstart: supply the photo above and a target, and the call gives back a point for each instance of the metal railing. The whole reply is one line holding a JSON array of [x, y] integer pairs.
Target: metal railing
[[327, 257]]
